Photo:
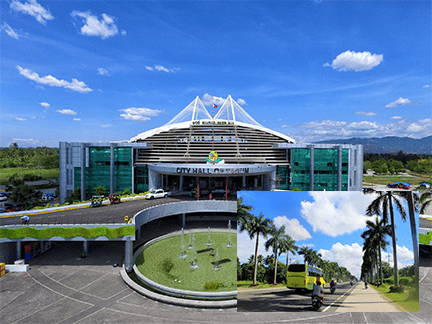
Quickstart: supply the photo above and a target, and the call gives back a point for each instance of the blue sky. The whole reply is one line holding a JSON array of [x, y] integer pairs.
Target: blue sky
[[314, 70], [328, 222]]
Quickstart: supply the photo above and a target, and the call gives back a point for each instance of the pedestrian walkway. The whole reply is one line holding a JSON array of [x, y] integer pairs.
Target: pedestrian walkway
[[365, 300]]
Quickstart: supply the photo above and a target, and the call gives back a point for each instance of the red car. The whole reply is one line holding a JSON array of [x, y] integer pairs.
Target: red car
[[114, 198]]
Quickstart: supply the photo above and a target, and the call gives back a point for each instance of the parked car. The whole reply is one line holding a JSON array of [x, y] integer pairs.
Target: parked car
[[114, 198], [3, 196], [10, 206], [47, 196], [158, 193], [96, 201]]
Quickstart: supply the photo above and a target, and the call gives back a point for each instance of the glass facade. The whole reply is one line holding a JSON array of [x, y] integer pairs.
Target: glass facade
[[141, 179]]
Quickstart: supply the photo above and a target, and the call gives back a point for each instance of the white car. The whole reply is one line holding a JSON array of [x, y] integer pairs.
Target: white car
[[158, 193], [3, 197]]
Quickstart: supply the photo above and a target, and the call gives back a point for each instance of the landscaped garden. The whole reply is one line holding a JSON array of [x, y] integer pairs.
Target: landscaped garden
[[161, 262]]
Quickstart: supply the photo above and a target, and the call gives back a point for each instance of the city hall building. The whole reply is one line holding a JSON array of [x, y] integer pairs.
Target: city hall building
[[200, 153]]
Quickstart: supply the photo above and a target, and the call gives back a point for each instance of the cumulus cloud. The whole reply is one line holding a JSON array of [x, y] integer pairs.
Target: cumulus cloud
[[45, 104], [396, 117], [246, 246], [329, 129], [355, 61], [293, 228], [404, 255], [334, 214], [139, 114], [365, 113], [209, 100], [33, 9], [123, 32], [241, 102], [426, 86], [348, 256], [398, 103], [75, 85], [162, 68], [20, 119], [103, 28], [76, 119], [102, 71], [9, 30], [66, 112]]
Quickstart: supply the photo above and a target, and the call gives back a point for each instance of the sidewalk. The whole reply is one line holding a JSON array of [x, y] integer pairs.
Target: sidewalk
[[365, 300]]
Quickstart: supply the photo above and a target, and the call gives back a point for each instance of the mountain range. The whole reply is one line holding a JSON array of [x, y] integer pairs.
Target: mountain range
[[389, 144]]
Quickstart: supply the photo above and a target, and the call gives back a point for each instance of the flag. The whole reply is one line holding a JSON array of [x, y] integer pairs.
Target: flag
[[214, 106]]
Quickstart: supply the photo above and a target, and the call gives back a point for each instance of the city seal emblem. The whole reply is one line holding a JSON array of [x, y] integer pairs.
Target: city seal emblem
[[213, 157]]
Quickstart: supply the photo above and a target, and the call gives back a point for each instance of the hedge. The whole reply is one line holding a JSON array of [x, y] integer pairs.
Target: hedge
[[46, 233]]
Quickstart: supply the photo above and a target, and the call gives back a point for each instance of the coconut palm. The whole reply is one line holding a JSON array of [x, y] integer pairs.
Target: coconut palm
[[307, 253], [288, 245], [243, 211], [425, 200], [383, 205], [275, 242], [375, 237], [256, 226]]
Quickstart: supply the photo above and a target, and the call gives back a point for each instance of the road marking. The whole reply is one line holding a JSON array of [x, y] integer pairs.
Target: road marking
[[338, 298], [365, 318], [426, 301], [417, 318], [425, 274]]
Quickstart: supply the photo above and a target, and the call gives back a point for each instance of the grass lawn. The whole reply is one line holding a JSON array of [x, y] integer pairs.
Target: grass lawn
[[409, 299], [414, 181], [150, 261], [248, 283], [5, 173]]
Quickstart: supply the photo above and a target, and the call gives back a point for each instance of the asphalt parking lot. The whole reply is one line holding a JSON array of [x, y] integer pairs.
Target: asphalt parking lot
[[61, 287]]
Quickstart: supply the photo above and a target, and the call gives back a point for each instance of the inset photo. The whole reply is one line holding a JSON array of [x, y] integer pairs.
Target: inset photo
[[327, 251]]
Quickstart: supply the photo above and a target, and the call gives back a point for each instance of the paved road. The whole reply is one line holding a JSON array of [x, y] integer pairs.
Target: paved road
[[62, 288], [104, 215], [283, 299]]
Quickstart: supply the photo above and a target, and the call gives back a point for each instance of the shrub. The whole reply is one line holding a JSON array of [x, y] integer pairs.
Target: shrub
[[213, 285], [56, 205], [127, 192], [397, 289], [404, 281], [100, 191], [167, 266], [388, 281]]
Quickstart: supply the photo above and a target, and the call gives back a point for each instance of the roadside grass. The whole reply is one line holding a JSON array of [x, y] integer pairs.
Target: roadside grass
[[248, 283], [408, 300], [5, 173], [413, 180]]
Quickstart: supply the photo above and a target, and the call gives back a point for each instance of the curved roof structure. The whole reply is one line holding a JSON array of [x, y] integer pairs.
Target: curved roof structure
[[193, 133]]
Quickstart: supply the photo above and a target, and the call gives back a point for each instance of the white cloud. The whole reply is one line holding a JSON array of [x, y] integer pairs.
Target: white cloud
[[365, 113], [280, 119], [75, 85], [396, 117], [33, 9], [355, 61], [404, 255], [293, 228], [102, 71], [209, 100], [139, 114], [246, 246], [123, 32], [33, 117], [103, 28], [9, 30], [45, 104], [106, 125], [398, 103], [348, 256], [329, 129], [26, 140], [20, 119], [241, 102], [334, 214], [76, 119], [162, 68], [427, 86], [284, 126], [66, 112]]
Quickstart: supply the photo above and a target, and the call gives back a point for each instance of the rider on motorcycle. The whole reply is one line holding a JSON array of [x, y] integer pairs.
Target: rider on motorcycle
[[332, 283], [318, 291]]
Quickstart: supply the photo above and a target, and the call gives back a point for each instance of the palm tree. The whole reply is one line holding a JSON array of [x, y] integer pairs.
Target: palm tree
[[256, 226], [275, 242], [288, 245], [243, 211], [383, 205], [425, 201], [306, 252], [375, 237]]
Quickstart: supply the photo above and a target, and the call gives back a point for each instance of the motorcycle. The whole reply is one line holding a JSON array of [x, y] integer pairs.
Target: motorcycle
[[332, 289], [317, 302]]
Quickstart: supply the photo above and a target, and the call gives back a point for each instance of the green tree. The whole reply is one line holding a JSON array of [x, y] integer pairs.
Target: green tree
[[100, 191], [288, 245], [243, 211], [256, 226], [275, 242], [383, 205]]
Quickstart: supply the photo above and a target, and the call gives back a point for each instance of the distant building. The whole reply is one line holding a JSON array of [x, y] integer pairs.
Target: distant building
[[200, 153]]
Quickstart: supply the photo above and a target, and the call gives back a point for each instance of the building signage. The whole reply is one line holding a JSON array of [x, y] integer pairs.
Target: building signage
[[205, 122], [198, 171], [213, 158]]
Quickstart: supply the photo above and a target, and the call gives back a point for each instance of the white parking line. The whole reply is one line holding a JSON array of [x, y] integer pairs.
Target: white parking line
[[338, 299]]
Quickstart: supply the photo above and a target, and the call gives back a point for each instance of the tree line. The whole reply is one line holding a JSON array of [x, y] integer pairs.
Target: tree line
[[258, 268], [31, 157], [396, 163]]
